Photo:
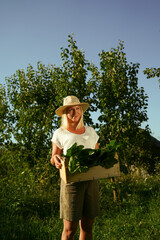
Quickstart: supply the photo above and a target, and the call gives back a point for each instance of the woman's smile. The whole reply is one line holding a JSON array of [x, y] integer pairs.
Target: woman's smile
[[74, 113]]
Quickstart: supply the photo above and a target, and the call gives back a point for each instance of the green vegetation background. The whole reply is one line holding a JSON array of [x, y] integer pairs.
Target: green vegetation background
[[29, 204], [29, 185]]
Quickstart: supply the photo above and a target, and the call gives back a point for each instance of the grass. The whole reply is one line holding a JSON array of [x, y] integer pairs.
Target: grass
[[29, 206], [136, 215]]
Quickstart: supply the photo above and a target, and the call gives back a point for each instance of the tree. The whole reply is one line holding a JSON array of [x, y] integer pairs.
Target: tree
[[75, 73], [152, 72], [122, 104], [5, 123], [32, 97], [112, 90], [36, 94]]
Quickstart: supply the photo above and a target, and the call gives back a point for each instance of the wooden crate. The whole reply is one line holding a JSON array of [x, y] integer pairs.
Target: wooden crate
[[96, 172]]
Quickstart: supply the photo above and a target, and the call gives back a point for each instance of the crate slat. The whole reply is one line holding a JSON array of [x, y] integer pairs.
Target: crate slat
[[96, 172]]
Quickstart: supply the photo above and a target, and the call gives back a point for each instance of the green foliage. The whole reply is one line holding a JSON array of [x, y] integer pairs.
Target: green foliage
[[5, 117], [29, 185], [28, 108], [141, 152], [74, 74], [28, 195], [33, 101], [152, 72], [80, 159], [34, 96], [29, 203], [122, 104], [136, 213]]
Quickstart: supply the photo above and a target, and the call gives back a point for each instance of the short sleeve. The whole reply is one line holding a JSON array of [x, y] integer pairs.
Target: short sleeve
[[95, 135], [56, 139]]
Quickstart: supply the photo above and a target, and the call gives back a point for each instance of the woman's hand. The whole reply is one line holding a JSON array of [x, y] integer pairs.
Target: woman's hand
[[56, 156], [56, 160]]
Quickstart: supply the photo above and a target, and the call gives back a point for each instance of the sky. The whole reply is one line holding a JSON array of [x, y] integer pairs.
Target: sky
[[35, 30]]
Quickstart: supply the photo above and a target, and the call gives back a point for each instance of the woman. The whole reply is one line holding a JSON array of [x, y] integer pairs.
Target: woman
[[78, 201]]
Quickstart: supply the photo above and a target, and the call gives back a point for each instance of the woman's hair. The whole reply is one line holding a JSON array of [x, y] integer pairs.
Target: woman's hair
[[64, 121]]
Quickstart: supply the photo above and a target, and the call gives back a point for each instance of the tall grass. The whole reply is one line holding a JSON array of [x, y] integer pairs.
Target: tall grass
[[136, 214], [29, 205]]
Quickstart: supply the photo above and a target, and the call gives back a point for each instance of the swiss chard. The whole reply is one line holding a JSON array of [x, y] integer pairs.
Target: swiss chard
[[80, 159]]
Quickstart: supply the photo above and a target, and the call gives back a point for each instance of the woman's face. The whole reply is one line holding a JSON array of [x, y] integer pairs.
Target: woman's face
[[74, 113]]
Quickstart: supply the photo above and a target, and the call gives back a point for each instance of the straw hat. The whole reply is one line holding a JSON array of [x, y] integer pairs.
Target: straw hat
[[71, 101]]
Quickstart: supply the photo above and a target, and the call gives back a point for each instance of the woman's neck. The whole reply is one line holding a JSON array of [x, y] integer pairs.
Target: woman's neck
[[73, 129]]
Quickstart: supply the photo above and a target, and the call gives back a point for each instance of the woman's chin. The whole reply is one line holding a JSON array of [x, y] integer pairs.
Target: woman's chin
[[75, 119]]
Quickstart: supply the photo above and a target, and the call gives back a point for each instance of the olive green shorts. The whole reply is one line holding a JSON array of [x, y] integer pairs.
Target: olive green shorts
[[79, 199]]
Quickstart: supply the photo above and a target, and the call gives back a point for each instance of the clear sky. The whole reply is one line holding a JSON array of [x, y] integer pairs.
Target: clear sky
[[35, 30]]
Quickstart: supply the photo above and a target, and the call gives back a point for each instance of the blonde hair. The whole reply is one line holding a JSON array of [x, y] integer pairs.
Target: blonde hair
[[64, 121]]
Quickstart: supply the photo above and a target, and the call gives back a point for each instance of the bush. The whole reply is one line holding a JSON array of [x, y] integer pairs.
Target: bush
[[29, 204]]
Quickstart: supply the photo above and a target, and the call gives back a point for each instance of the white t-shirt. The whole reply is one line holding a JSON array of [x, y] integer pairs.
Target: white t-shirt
[[65, 139]]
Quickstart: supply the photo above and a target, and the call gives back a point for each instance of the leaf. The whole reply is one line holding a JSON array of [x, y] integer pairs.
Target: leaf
[[80, 159]]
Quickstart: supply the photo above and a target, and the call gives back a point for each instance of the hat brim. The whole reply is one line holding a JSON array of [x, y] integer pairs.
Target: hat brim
[[60, 110]]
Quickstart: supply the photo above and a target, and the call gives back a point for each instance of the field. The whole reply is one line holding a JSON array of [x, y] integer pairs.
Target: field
[[29, 205]]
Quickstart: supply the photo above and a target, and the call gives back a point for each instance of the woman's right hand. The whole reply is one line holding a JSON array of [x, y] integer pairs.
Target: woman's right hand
[[56, 156], [57, 161]]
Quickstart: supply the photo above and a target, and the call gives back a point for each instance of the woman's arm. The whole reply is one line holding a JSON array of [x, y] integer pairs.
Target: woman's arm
[[56, 156], [96, 146]]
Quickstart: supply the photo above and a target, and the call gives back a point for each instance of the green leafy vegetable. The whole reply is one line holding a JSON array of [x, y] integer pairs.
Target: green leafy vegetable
[[80, 159]]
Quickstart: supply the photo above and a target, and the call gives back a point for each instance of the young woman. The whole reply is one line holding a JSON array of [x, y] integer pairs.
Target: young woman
[[79, 200]]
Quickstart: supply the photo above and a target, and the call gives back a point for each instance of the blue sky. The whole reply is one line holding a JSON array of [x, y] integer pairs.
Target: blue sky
[[35, 30]]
